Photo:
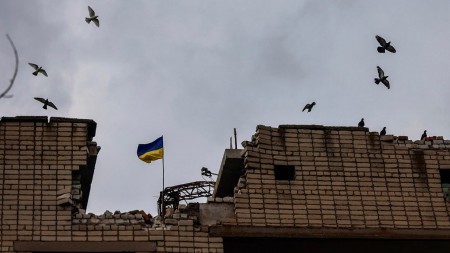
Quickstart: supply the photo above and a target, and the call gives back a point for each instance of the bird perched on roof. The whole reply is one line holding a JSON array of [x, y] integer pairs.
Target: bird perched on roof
[[383, 132], [309, 106], [382, 78], [92, 17], [384, 45], [361, 123], [38, 69], [46, 103], [424, 135]]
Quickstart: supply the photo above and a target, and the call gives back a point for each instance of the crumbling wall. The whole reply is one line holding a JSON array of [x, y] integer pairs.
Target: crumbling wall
[[179, 232], [42, 200], [345, 177], [37, 161]]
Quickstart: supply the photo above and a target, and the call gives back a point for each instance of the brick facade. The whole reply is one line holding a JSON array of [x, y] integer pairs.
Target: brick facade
[[42, 196], [345, 177], [333, 182]]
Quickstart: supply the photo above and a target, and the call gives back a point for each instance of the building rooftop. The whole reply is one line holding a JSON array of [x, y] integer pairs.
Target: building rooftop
[[325, 178]]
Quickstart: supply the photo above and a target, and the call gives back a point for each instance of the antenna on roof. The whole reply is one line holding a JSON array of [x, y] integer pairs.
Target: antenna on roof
[[235, 139], [231, 142]]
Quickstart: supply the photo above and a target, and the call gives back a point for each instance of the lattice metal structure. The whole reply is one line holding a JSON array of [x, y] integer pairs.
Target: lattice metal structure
[[183, 192]]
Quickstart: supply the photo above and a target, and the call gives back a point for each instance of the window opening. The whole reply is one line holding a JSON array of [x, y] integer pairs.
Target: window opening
[[284, 172], [445, 182]]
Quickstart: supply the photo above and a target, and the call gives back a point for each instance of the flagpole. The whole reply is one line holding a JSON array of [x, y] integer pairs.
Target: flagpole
[[163, 211], [163, 208]]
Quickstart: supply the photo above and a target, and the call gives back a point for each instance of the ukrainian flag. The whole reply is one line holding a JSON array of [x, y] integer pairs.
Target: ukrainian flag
[[152, 151]]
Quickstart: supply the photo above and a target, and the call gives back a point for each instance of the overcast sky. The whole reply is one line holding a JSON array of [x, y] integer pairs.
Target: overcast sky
[[194, 70]]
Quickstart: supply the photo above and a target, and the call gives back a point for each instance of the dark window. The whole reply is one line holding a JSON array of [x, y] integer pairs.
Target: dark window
[[445, 182], [284, 172], [445, 176]]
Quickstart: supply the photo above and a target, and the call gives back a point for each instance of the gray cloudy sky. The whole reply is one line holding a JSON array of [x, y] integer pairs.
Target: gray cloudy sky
[[194, 70]]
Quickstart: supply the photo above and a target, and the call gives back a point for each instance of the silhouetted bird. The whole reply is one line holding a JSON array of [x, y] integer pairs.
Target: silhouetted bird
[[383, 132], [384, 45], [382, 78], [424, 135], [361, 123], [46, 103], [92, 17], [309, 106], [38, 69]]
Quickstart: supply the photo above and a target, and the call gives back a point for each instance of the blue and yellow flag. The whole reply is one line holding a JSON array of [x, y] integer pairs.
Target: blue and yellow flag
[[152, 151]]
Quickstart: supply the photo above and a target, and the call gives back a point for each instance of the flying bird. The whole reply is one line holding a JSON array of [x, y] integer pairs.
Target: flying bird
[[361, 123], [38, 69], [383, 132], [309, 106], [424, 135], [384, 45], [382, 78], [92, 17], [46, 103]]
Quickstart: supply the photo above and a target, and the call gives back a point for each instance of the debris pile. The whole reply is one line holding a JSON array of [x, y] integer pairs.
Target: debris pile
[[185, 215], [436, 142], [117, 218]]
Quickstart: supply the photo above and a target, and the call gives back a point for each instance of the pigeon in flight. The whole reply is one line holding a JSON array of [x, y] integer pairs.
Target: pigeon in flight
[[361, 123], [382, 78], [424, 135], [38, 69], [46, 103], [309, 106], [383, 132], [384, 45], [92, 17]]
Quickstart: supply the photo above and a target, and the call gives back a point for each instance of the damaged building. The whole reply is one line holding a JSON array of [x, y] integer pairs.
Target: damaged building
[[292, 188]]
